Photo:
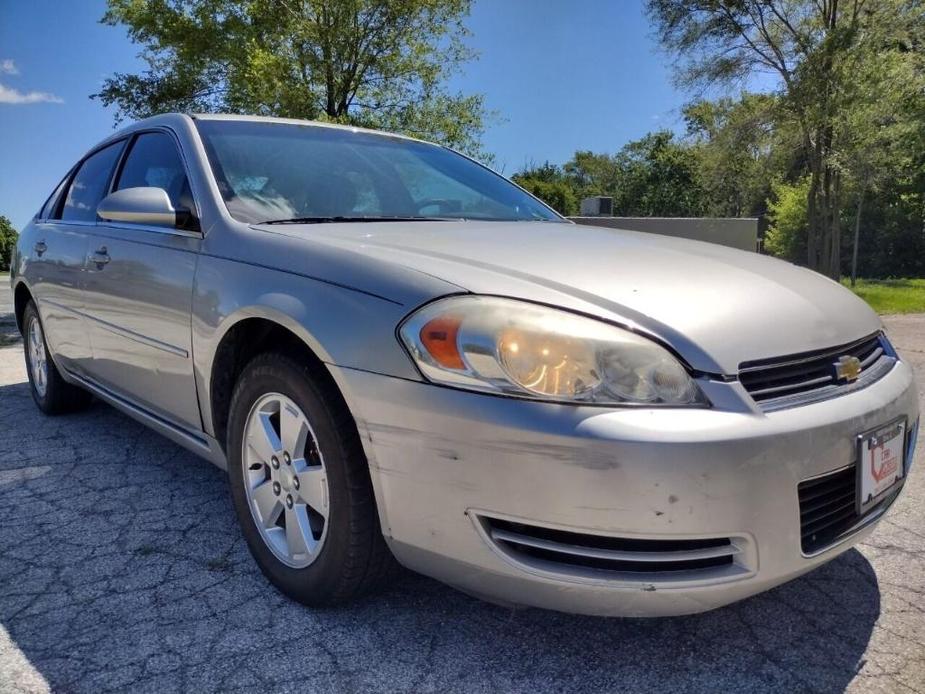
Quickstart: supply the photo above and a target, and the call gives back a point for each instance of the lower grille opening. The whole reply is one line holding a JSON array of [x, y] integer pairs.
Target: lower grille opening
[[627, 566], [581, 552], [827, 508]]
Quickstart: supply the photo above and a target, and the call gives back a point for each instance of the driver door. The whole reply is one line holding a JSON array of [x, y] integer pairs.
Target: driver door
[[138, 295]]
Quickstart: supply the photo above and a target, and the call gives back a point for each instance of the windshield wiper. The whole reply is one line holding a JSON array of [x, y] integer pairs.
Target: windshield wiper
[[345, 218]]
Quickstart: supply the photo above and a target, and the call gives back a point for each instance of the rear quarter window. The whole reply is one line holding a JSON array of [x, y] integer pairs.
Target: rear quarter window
[[50, 208]]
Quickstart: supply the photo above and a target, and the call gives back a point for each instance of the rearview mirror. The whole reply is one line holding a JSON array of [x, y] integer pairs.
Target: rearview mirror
[[141, 206]]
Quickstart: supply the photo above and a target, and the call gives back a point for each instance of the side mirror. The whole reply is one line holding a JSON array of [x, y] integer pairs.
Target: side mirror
[[142, 206]]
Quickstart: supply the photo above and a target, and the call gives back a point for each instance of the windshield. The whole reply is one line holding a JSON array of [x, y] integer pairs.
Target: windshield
[[287, 172]]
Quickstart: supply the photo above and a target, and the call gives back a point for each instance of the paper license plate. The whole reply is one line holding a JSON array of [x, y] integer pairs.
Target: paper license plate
[[880, 463]]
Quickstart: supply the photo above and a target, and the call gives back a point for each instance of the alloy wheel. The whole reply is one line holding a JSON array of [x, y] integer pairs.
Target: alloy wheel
[[38, 360], [285, 480]]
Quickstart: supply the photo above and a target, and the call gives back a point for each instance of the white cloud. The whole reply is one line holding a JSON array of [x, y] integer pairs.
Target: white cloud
[[8, 95]]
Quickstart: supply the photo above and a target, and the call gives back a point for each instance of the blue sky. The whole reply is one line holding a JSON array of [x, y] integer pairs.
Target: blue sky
[[563, 75]]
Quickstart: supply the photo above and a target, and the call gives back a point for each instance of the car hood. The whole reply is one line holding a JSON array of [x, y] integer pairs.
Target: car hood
[[716, 306]]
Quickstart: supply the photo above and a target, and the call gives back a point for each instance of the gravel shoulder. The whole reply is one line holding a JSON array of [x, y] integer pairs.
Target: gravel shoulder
[[122, 569]]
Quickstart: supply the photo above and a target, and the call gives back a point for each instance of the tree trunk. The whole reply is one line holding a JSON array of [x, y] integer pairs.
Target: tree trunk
[[812, 213], [834, 218], [857, 235], [823, 242], [825, 224], [817, 233]]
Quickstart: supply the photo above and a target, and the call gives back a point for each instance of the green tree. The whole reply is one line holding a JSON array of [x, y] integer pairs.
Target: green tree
[[8, 236], [557, 194], [659, 178], [374, 63], [549, 184], [883, 138], [741, 147], [547, 172], [829, 57], [655, 176], [593, 174]]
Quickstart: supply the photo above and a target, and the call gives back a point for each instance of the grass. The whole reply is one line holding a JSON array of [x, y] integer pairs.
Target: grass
[[892, 296]]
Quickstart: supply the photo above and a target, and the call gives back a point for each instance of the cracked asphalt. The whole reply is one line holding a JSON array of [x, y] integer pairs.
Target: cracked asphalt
[[122, 569]]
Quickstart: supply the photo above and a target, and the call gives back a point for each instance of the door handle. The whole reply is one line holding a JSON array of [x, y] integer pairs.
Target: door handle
[[40, 248], [100, 257]]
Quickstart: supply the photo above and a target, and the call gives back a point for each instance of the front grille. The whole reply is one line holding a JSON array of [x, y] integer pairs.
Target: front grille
[[602, 555], [827, 509], [811, 376]]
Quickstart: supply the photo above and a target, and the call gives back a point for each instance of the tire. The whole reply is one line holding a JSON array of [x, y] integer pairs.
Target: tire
[[52, 394], [350, 557]]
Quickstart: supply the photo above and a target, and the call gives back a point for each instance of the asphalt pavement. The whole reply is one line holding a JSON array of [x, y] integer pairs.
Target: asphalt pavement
[[122, 569]]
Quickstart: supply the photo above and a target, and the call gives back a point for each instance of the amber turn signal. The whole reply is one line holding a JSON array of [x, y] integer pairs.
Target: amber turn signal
[[439, 339]]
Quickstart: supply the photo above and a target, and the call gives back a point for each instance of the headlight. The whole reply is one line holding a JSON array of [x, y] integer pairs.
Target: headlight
[[518, 348]]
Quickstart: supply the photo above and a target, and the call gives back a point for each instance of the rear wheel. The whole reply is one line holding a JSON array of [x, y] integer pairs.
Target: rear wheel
[[51, 392], [300, 484]]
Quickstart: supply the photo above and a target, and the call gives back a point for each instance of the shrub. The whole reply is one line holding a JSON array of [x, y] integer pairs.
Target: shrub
[[787, 216]]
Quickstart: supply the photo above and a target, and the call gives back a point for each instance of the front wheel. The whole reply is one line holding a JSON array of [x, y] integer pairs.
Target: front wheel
[[300, 484]]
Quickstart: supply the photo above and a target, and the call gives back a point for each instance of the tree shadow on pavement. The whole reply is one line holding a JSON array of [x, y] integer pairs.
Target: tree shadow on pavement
[[122, 568]]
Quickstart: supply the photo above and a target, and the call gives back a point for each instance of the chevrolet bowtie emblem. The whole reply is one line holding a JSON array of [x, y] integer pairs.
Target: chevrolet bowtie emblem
[[847, 368]]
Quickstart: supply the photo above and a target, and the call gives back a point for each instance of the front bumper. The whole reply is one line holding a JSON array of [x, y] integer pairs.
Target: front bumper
[[443, 460]]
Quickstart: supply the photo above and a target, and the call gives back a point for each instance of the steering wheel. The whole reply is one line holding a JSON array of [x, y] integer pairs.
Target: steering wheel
[[443, 205]]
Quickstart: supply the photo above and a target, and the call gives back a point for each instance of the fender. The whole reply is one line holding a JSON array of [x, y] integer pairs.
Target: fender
[[227, 292]]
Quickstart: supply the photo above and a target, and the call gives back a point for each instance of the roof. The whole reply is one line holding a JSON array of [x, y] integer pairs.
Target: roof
[[297, 121], [184, 121]]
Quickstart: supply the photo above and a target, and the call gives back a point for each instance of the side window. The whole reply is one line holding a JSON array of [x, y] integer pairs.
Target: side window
[[90, 184], [51, 205], [153, 161]]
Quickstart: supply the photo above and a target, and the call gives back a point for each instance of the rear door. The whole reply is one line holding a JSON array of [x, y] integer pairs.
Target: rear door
[[59, 254], [139, 285]]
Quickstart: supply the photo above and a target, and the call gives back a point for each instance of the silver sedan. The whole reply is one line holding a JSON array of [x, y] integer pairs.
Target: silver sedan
[[399, 355]]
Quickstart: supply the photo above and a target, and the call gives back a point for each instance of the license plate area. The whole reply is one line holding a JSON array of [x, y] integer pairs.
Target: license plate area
[[881, 461]]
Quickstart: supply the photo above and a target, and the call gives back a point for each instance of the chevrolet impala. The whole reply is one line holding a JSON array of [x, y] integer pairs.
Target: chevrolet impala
[[400, 356]]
